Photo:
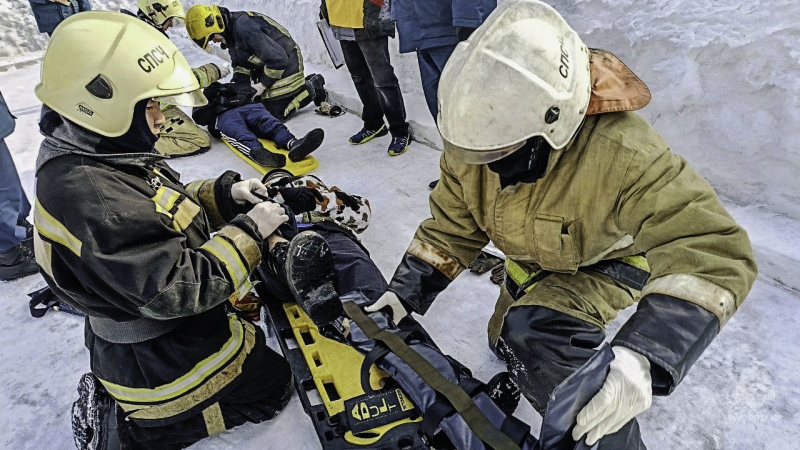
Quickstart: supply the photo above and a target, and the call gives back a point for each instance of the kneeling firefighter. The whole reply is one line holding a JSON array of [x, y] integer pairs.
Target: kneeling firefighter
[[262, 52], [180, 136], [121, 239], [575, 189]]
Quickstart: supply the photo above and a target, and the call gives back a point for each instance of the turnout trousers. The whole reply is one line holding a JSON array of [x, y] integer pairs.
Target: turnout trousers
[[180, 136], [549, 329]]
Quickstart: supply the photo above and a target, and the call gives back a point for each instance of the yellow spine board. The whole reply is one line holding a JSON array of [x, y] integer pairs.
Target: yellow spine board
[[336, 369], [302, 167]]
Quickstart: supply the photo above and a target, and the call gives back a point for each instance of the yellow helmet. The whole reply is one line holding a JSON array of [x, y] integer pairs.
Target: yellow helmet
[[159, 11], [203, 21], [100, 64]]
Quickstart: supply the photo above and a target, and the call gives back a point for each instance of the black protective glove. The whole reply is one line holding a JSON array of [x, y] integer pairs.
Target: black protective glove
[[299, 200], [464, 33], [347, 200], [232, 95]]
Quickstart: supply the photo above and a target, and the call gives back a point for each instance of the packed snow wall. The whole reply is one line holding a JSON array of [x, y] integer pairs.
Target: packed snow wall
[[725, 77]]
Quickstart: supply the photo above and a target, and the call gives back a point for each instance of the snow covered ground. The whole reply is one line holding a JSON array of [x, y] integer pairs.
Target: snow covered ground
[[726, 86], [743, 394]]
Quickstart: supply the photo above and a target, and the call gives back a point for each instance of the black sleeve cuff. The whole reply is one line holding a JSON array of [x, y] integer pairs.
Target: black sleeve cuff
[[227, 207], [417, 283], [671, 333]]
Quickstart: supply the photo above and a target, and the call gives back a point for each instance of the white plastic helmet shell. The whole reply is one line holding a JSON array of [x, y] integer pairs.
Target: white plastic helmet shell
[[99, 64], [523, 73]]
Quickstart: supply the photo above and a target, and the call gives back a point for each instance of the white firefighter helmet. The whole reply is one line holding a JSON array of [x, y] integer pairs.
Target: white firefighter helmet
[[159, 11], [99, 64], [523, 73]]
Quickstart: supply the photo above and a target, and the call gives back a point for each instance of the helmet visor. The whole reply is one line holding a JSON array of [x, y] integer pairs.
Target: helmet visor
[[191, 99], [477, 157]]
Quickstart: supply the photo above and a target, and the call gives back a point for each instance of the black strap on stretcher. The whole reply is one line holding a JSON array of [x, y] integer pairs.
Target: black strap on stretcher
[[458, 398]]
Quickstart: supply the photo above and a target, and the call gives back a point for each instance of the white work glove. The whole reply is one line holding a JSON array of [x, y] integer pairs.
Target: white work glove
[[390, 299], [224, 69], [268, 216], [626, 392], [260, 88], [243, 191]]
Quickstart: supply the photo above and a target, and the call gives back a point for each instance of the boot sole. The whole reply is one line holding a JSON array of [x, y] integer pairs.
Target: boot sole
[[322, 303], [311, 142], [8, 275]]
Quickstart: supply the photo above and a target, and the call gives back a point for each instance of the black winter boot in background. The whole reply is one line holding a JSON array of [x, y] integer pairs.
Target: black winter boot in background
[[18, 261], [315, 84]]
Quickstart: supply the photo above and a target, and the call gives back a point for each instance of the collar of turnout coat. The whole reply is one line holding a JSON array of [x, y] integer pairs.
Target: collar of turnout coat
[[614, 86], [62, 137]]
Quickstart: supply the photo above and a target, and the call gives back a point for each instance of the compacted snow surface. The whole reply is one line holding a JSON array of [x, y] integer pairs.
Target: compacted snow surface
[[742, 394]]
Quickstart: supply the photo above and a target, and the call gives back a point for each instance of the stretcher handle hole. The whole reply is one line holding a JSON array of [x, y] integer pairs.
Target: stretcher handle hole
[[308, 339], [317, 360], [331, 390]]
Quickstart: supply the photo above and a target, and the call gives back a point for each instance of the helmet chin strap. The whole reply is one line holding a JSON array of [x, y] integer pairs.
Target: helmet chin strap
[[525, 165]]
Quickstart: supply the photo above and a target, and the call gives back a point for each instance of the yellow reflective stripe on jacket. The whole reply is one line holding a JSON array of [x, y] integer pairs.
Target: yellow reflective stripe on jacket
[[295, 104], [193, 189], [519, 275], [52, 229], [245, 244], [274, 74], [202, 76], [638, 261], [255, 60], [269, 21], [225, 252], [165, 198], [241, 70], [187, 211], [202, 393], [191, 380], [291, 79], [277, 92]]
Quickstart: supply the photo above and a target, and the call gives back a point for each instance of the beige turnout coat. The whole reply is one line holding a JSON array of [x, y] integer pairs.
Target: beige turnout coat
[[615, 190]]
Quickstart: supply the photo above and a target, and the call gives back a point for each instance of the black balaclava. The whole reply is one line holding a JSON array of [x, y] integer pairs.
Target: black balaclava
[[525, 165], [138, 139]]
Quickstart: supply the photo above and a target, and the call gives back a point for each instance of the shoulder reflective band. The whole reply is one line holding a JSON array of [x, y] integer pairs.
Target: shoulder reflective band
[[462, 402]]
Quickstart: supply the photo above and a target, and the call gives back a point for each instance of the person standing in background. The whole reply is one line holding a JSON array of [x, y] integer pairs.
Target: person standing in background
[[363, 29], [433, 28], [16, 244], [50, 13]]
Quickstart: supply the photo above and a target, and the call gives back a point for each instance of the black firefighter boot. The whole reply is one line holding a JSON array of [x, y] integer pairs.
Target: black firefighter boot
[[95, 417], [307, 265], [18, 261], [315, 84]]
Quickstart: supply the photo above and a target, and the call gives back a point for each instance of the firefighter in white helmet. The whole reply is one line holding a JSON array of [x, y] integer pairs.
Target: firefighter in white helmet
[[544, 156], [120, 238]]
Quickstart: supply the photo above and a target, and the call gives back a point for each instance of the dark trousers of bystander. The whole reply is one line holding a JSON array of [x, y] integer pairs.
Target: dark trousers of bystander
[[377, 85]]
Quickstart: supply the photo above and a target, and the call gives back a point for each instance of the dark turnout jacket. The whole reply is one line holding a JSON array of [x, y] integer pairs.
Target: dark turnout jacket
[[262, 50], [120, 238]]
